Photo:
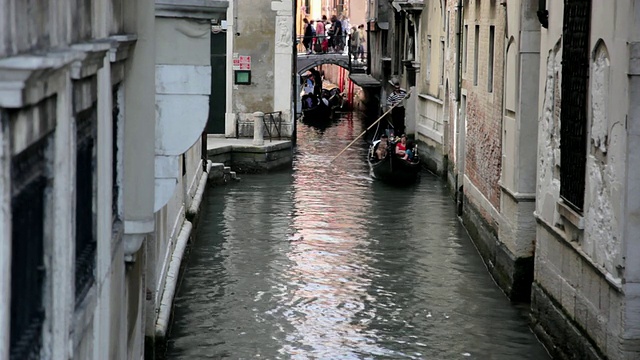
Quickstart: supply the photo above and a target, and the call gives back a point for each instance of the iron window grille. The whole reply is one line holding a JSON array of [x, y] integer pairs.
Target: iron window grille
[[85, 258], [573, 112], [27, 251]]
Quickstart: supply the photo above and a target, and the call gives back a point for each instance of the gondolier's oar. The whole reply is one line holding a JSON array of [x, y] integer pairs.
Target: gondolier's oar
[[375, 122]]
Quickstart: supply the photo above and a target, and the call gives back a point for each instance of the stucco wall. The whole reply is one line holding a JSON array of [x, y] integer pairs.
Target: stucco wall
[[256, 29], [593, 239]]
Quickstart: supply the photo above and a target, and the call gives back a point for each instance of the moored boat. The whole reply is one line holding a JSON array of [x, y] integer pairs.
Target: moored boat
[[316, 111]]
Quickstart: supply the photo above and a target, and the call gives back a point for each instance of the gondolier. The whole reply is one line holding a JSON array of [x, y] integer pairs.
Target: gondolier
[[397, 114]]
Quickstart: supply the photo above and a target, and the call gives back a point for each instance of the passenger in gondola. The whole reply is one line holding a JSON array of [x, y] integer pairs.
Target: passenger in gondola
[[401, 146], [381, 151], [408, 154]]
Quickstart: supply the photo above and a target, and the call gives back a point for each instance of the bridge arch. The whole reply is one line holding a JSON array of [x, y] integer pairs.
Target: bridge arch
[[306, 62]]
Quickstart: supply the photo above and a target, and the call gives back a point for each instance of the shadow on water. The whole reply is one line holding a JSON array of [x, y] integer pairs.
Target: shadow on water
[[323, 262]]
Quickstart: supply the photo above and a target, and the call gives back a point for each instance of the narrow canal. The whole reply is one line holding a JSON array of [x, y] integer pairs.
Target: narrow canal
[[321, 262]]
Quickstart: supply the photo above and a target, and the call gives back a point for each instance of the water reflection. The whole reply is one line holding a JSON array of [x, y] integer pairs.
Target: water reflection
[[324, 263]]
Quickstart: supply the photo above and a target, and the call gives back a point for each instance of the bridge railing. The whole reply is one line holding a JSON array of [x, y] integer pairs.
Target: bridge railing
[[317, 44]]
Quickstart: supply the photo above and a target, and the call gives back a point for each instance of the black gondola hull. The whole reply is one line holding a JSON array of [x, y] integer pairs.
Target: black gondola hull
[[394, 170]]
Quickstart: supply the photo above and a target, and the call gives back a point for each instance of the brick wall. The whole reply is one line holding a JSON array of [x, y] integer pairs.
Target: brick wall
[[484, 106]]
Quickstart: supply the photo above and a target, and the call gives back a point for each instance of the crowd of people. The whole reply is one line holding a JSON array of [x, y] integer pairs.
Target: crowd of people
[[324, 36]]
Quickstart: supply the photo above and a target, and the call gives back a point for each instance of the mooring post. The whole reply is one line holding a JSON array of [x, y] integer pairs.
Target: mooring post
[[258, 126]]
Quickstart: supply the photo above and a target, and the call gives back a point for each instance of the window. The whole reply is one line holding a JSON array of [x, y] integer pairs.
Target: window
[[475, 55], [442, 62], [384, 44], [340, 6], [492, 33], [447, 31], [398, 49], [573, 111], [85, 200], [465, 36], [27, 250]]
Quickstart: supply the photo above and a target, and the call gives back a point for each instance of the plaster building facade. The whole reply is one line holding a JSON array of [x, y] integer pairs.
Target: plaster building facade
[[585, 296], [93, 193], [263, 32], [500, 88]]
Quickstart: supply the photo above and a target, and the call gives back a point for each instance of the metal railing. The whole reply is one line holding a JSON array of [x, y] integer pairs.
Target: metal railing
[[317, 44], [273, 122], [358, 60]]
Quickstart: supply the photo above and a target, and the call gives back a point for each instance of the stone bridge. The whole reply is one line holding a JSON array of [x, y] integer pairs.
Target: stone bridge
[[308, 61], [357, 70]]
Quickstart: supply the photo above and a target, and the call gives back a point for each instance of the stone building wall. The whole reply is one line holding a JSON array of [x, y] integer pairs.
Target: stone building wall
[[584, 297], [264, 31], [484, 105]]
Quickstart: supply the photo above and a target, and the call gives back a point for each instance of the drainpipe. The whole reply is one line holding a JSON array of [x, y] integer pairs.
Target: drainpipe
[[459, 51], [294, 73]]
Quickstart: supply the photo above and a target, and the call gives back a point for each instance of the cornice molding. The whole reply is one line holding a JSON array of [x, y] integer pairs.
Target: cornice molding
[[27, 79], [195, 9], [121, 46], [408, 5], [92, 58]]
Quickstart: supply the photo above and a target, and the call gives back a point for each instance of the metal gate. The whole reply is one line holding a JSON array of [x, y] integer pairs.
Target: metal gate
[[573, 115]]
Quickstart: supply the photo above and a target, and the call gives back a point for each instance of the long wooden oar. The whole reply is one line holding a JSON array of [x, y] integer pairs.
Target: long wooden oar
[[375, 122]]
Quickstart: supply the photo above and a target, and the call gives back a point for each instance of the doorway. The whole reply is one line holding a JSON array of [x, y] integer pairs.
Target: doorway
[[217, 99]]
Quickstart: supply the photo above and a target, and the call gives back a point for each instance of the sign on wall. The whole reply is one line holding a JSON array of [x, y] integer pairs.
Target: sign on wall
[[241, 62]]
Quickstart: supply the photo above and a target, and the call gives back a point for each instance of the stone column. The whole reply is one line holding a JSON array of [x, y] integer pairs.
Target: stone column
[[283, 61], [520, 124], [632, 207], [258, 128]]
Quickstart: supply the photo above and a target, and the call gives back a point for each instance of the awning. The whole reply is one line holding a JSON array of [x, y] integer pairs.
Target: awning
[[364, 80]]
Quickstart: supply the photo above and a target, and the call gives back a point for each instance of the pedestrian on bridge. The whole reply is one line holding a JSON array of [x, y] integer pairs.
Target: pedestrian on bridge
[[308, 35]]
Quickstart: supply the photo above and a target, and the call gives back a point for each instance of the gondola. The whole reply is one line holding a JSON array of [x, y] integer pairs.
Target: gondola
[[332, 93], [316, 109], [392, 169], [317, 112]]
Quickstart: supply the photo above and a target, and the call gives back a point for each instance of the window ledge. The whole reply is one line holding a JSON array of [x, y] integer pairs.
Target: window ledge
[[431, 98], [570, 215], [614, 281]]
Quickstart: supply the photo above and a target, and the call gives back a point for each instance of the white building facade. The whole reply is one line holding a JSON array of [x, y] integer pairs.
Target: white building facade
[[96, 181], [587, 264]]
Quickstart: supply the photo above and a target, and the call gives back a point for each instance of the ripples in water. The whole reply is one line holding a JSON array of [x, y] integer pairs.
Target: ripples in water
[[324, 263]]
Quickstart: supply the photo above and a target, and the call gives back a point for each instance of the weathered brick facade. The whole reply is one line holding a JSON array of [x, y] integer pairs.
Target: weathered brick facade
[[484, 107]]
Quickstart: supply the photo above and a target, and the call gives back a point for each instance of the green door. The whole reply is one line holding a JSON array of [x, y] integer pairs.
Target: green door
[[217, 100]]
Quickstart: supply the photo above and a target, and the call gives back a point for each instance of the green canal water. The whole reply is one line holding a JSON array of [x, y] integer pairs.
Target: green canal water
[[322, 262]]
